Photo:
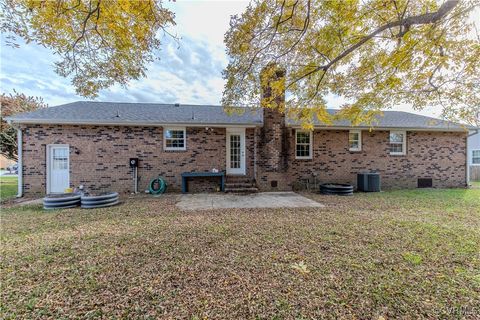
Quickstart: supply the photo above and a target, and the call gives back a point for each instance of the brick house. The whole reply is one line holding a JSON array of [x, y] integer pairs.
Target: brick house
[[90, 144]]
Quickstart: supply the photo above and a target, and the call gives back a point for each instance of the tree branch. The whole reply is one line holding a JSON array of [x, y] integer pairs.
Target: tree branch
[[426, 18]]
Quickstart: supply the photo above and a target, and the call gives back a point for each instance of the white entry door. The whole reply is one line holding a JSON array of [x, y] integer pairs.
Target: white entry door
[[58, 168], [236, 151]]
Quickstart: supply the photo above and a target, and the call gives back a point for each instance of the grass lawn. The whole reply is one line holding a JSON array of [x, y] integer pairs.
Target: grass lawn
[[401, 254], [8, 187]]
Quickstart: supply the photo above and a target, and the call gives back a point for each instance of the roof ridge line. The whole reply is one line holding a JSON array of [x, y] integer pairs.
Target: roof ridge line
[[144, 103]]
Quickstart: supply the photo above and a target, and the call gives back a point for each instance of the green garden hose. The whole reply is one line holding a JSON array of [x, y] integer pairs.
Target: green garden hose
[[157, 186]]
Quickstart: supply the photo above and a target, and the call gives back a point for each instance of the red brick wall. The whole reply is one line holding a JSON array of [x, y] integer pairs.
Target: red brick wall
[[436, 155], [99, 156]]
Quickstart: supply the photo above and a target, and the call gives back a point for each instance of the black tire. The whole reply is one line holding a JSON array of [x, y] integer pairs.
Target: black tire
[[336, 193], [98, 202], [339, 191], [336, 189], [109, 195], [88, 206], [334, 186], [330, 192], [61, 197], [344, 194]]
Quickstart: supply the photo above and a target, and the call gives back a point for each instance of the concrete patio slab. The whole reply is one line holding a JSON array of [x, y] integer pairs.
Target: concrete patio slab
[[205, 201]]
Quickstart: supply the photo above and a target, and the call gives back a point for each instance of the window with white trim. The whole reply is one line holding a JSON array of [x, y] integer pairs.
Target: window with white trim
[[476, 157], [303, 144], [398, 142], [174, 139], [355, 140]]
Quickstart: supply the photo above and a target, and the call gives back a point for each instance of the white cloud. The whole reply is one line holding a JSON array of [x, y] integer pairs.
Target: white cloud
[[187, 72], [205, 20], [172, 51]]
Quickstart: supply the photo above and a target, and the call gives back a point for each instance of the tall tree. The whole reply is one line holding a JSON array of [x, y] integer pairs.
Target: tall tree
[[374, 54], [99, 42], [12, 104], [465, 114]]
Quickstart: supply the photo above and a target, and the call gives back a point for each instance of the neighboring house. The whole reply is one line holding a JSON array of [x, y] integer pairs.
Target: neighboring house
[[5, 162], [474, 155], [90, 144]]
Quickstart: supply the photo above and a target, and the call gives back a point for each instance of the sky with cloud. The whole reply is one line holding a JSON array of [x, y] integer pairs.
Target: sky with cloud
[[188, 72]]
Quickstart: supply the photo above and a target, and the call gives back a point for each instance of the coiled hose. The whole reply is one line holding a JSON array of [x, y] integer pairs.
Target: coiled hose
[[157, 186]]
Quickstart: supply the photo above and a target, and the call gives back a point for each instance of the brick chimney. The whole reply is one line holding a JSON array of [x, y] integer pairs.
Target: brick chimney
[[273, 135]]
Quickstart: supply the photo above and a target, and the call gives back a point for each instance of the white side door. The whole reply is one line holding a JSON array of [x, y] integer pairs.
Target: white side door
[[236, 151], [58, 168]]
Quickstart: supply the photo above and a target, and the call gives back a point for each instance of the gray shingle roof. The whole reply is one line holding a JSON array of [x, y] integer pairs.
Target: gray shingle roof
[[87, 112], [119, 113], [395, 119]]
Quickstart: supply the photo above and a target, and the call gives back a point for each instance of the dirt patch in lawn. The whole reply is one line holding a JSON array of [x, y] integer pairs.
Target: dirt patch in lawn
[[394, 254]]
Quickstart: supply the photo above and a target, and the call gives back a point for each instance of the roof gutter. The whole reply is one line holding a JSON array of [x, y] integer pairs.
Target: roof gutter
[[142, 124], [215, 125], [474, 133]]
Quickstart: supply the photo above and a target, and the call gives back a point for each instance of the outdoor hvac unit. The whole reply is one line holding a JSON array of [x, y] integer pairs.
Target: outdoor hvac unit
[[368, 182]]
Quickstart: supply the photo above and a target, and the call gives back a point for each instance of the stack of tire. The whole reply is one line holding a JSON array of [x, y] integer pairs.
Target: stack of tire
[[61, 201], [100, 201], [336, 189]]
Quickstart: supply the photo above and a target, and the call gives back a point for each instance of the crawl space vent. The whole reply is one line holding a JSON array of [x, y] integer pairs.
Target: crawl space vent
[[425, 183]]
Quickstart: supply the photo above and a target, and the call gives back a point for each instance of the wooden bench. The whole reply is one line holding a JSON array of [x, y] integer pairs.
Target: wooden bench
[[187, 175]]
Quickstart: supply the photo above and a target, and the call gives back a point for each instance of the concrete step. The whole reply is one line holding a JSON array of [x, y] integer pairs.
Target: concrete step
[[239, 179], [241, 190], [240, 185]]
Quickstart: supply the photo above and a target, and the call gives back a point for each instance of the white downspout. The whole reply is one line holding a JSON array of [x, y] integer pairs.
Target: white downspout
[[468, 155], [468, 162], [20, 162]]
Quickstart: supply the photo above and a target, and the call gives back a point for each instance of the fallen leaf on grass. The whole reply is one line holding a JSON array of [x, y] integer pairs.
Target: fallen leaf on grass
[[300, 267]]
